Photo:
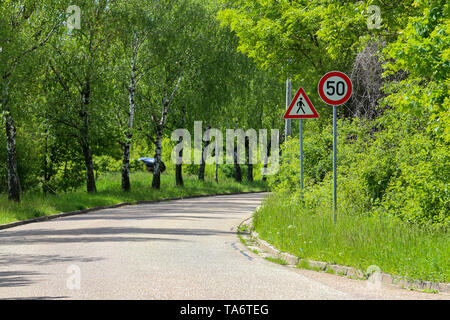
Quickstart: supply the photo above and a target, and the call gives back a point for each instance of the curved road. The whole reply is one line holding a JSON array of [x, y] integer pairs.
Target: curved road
[[183, 249]]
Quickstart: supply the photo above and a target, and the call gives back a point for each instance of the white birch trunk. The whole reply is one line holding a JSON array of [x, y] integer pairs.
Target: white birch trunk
[[129, 133]]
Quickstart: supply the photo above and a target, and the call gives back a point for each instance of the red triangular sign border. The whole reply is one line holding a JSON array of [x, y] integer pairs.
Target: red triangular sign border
[[305, 116]]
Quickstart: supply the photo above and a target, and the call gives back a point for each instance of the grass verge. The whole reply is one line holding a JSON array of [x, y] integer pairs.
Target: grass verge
[[36, 204], [398, 248], [277, 260]]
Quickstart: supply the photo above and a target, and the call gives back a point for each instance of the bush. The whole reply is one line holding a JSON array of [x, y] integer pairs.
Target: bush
[[107, 163], [420, 193], [379, 171]]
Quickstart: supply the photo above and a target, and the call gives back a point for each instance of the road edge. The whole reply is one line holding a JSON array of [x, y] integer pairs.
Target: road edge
[[117, 205], [376, 277]]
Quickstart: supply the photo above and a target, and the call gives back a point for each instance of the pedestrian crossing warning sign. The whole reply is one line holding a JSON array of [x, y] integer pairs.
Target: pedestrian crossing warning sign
[[301, 107]]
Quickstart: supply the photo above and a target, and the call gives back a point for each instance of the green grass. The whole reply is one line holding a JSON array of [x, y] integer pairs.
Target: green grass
[[429, 291], [303, 264], [356, 240], [276, 260], [36, 204], [242, 239]]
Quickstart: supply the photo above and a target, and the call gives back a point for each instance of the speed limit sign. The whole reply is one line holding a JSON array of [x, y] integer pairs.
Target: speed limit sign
[[335, 88]]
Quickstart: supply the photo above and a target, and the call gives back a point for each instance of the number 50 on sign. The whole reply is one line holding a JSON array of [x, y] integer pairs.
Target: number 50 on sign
[[335, 88]]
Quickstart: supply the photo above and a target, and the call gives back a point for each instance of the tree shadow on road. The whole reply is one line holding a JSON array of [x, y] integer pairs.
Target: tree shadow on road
[[7, 259], [17, 278], [103, 234]]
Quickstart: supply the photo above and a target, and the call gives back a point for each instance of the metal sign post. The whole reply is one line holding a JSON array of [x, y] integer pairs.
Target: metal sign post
[[287, 129], [301, 108], [301, 156], [334, 164], [335, 88]]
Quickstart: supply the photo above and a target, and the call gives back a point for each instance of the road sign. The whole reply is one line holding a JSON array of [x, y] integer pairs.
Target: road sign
[[301, 107], [335, 88]]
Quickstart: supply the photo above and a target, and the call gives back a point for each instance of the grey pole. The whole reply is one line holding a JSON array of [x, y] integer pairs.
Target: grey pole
[[288, 129], [301, 156], [334, 164]]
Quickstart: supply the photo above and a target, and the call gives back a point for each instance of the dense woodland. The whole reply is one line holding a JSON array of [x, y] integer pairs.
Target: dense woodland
[[78, 102], [394, 133]]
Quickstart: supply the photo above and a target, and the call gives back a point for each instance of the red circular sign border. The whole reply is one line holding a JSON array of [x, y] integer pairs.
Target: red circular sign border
[[347, 81]]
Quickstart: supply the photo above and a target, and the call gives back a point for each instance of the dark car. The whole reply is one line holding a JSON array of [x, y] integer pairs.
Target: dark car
[[150, 164]]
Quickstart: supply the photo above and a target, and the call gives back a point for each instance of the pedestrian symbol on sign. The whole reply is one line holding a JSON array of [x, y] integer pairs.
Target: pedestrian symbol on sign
[[303, 103], [300, 105]]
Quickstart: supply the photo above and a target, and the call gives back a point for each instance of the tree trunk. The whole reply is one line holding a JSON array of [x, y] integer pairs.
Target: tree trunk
[[179, 175], [14, 188], [126, 167], [266, 160], [248, 160], [216, 165], [201, 169], [48, 167], [85, 145], [237, 167], [179, 169], [156, 182], [129, 134], [89, 164]]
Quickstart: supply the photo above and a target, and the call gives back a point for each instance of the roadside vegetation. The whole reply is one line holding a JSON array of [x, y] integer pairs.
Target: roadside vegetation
[[393, 134], [80, 105], [88, 88], [355, 240], [36, 204]]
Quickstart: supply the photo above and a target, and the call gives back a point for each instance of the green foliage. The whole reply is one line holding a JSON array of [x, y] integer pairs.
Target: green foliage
[[396, 247], [393, 172], [67, 89], [28, 162], [396, 165], [308, 38], [36, 204], [420, 193], [107, 164], [277, 260], [422, 50], [69, 177], [379, 171]]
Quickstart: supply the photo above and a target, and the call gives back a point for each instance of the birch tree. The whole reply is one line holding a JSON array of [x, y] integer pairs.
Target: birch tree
[[138, 22], [25, 27], [171, 52], [79, 66]]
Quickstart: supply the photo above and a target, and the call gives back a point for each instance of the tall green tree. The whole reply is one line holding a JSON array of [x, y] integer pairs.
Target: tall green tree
[[170, 50], [305, 39], [25, 27], [136, 23], [79, 64]]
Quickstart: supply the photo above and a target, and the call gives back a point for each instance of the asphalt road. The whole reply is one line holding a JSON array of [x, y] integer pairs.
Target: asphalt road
[[183, 249]]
